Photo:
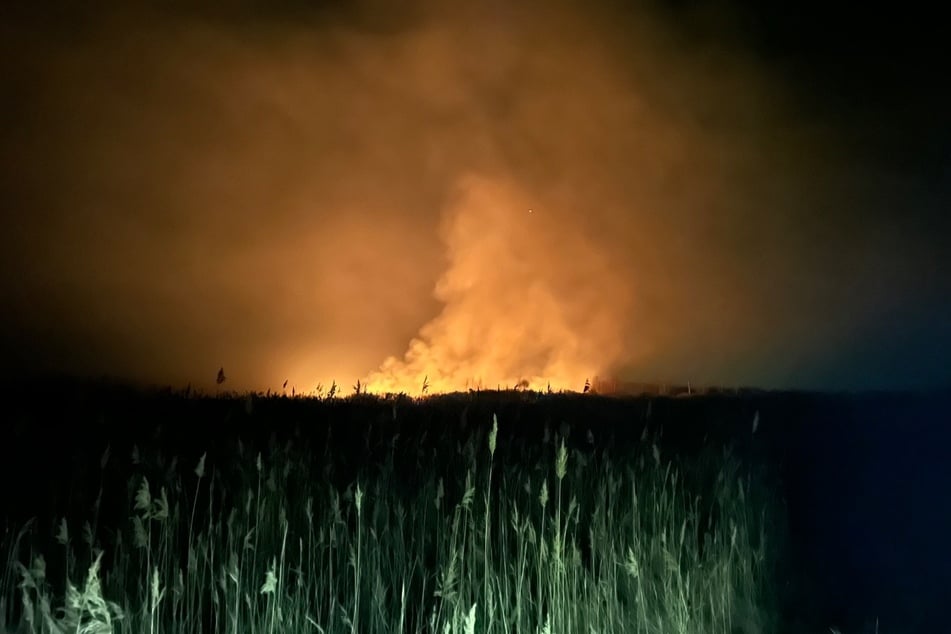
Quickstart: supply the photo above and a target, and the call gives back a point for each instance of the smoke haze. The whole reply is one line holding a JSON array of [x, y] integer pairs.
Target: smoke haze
[[474, 196]]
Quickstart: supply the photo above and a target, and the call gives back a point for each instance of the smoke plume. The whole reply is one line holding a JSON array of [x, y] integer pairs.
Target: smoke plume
[[470, 196], [525, 303]]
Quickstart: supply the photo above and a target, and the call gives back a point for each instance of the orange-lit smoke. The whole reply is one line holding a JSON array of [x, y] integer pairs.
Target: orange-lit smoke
[[526, 303], [343, 195]]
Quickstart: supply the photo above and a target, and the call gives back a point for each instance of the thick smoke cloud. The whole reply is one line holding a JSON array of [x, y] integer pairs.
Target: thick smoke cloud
[[526, 302], [475, 196]]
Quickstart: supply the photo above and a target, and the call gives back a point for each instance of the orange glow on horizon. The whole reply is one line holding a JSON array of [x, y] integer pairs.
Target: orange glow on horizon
[[326, 200], [516, 312]]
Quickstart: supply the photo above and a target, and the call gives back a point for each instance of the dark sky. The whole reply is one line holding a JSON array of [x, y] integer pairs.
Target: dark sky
[[715, 192]]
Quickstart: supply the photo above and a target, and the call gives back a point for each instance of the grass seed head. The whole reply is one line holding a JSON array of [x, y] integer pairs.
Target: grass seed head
[[493, 434], [561, 463]]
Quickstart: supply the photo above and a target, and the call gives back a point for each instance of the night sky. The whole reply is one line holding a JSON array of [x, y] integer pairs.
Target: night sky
[[715, 192]]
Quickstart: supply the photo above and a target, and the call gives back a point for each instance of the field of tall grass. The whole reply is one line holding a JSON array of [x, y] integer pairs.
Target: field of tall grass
[[438, 532]]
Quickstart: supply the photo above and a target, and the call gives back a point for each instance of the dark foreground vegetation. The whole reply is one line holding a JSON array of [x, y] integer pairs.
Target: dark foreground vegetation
[[508, 512]]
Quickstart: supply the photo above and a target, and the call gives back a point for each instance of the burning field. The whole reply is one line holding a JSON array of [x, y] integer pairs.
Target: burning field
[[448, 306]]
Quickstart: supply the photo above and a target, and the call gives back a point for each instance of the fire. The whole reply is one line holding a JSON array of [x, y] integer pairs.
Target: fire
[[523, 302]]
